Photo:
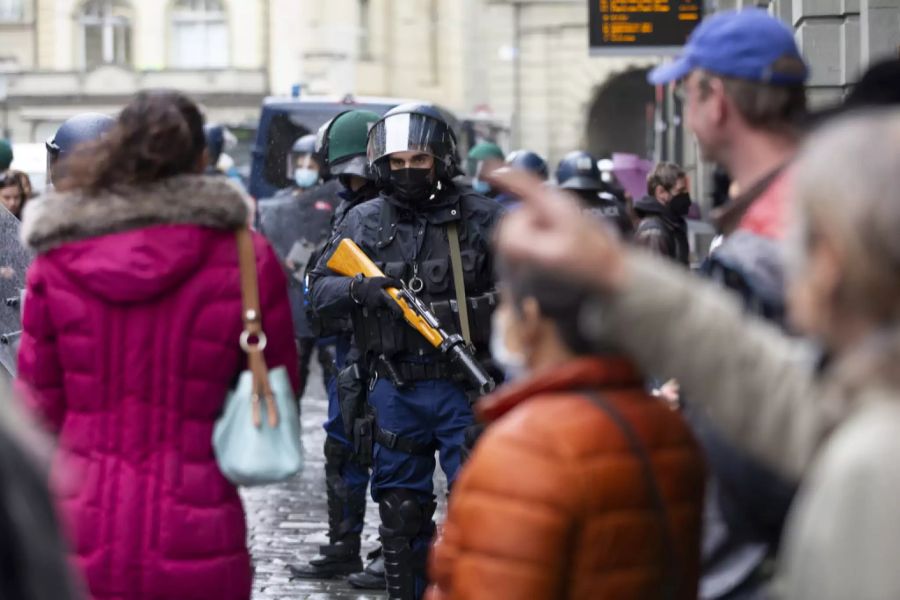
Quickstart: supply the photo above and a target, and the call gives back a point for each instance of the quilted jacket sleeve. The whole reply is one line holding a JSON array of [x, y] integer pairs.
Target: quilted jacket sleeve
[[507, 527], [276, 311], [40, 378]]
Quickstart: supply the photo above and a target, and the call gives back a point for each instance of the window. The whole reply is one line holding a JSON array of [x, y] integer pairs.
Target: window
[[12, 11], [365, 49], [199, 35], [106, 31]]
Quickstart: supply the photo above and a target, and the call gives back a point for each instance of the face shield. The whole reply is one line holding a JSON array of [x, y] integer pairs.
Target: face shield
[[301, 161], [407, 132]]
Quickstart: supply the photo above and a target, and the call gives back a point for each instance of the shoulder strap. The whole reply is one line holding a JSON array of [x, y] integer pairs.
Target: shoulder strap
[[671, 581], [459, 282], [253, 338]]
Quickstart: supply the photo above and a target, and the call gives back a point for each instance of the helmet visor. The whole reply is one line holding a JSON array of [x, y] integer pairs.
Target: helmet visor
[[408, 132]]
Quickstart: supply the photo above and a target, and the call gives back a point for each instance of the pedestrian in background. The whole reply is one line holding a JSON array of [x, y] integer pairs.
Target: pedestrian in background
[[12, 193], [741, 78], [130, 345], [25, 182], [663, 228], [583, 486], [836, 430]]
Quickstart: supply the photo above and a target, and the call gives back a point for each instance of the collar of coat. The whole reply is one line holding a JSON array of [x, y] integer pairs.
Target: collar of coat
[[443, 208], [588, 373], [59, 218]]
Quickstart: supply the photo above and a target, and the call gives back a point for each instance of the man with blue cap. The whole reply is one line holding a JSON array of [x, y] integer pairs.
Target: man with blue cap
[[741, 78]]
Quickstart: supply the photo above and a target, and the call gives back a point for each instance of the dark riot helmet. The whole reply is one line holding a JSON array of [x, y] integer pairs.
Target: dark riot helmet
[[414, 127], [531, 162], [86, 127], [82, 128], [305, 145], [578, 171]]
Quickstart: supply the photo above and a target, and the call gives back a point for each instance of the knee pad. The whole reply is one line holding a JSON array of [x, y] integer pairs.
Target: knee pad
[[403, 514]]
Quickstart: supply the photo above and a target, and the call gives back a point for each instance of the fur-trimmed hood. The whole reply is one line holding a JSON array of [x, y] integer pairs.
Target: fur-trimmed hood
[[61, 218]]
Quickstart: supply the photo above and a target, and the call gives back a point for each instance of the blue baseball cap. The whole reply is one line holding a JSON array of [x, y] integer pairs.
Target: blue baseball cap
[[743, 44]]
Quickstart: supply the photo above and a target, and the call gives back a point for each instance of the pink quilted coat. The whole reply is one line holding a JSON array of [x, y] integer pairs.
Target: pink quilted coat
[[131, 322]]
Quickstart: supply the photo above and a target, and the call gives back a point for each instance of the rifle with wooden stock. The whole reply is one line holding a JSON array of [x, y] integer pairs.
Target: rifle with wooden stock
[[350, 260]]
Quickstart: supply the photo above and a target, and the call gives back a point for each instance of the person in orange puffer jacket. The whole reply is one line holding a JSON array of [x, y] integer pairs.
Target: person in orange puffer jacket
[[583, 486]]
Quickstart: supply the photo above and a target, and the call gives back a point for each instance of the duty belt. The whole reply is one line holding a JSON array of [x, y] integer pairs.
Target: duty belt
[[413, 371]]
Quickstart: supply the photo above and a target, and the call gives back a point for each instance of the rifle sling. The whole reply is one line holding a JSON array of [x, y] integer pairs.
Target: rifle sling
[[459, 282]]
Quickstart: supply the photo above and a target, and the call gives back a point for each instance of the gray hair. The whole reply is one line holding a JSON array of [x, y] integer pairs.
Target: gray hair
[[847, 186]]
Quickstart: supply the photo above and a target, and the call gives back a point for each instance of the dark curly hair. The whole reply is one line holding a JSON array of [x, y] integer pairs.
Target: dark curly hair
[[158, 134]]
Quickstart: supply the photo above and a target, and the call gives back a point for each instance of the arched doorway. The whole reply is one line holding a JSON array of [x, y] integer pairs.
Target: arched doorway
[[621, 116]]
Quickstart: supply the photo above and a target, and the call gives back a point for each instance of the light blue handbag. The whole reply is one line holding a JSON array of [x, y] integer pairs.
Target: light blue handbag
[[251, 450]]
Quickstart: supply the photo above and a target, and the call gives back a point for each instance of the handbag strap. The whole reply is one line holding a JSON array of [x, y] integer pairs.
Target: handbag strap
[[253, 338], [671, 580]]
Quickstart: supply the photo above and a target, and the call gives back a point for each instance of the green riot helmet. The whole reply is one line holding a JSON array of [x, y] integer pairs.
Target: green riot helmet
[[344, 143], [483, 152]]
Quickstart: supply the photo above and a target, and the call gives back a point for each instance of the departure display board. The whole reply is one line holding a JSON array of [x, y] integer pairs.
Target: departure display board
[[642, 26]]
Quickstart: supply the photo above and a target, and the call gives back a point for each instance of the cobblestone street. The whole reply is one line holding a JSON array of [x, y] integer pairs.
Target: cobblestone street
[[287, 522]]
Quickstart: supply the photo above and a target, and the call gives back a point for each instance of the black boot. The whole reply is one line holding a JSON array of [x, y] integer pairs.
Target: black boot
[[403, 519], [345, 513], [372, 577], [334, 560]]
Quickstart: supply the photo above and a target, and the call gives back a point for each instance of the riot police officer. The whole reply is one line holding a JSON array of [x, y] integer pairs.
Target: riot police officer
[[341, 152], [14, 258], [522, 160], [297, 220], [80, 129], [484, 158], [579, 173], [435, 238]]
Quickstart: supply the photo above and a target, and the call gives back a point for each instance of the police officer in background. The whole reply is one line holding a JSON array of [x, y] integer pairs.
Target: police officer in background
[[341, 153], [483, 159], [522, 160], [435, 238], [578, 172], [297, 221], [80, 129]]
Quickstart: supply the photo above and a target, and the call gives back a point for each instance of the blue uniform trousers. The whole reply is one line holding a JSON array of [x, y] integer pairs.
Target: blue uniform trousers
[[432, 412]]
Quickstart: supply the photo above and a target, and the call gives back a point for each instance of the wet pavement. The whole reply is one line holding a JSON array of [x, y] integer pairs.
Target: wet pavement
[[288, 522]]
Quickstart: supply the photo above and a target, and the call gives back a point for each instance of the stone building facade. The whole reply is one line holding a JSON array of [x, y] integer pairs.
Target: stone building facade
[[524, 63]]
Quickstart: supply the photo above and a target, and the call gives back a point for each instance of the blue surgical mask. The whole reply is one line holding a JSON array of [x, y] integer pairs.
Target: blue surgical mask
[[306, 178], [481, 187]]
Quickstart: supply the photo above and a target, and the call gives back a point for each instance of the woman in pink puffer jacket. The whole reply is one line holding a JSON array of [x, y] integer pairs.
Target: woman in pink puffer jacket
[[130, 345]]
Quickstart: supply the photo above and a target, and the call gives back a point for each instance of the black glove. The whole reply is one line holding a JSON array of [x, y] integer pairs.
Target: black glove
[[369, 291]]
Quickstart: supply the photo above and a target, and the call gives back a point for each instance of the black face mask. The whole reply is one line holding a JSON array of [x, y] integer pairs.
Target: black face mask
[[412, 185], [680, 204], [368, 190]]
